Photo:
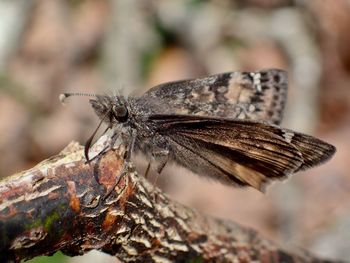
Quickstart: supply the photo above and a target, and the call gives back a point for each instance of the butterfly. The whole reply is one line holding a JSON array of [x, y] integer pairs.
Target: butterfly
[[224, 127]]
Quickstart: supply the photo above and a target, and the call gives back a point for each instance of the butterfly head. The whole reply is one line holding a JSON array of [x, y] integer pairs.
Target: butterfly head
[[111, 109]]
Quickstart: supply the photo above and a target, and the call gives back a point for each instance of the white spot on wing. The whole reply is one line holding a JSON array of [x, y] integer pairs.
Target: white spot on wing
[[251, 108], [256, 80]]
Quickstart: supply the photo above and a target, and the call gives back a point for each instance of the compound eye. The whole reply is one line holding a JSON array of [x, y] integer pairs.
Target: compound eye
[[120, 112]]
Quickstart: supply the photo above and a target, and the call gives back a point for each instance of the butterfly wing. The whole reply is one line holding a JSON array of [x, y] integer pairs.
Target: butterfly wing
[[239, 152], [257, 96]]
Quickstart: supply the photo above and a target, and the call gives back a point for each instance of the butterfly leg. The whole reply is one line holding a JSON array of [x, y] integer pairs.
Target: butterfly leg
[[127, 162], [147, 169], [112, 142], [131, 146], [162, 157], [88, 146]]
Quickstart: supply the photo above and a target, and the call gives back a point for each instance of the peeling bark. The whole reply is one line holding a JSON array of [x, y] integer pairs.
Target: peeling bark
[[58, 205]]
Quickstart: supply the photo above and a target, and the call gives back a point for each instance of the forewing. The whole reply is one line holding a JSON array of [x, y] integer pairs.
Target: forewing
[[259, 95], [240, 152]]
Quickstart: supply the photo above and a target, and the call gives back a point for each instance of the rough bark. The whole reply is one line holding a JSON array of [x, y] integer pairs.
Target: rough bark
[[59, 205]]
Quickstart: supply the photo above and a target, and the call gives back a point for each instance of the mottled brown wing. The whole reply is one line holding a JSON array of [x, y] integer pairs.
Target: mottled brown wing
[[239, 152], [259, 95]]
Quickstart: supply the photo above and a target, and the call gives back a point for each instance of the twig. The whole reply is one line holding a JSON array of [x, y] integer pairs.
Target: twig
[[58, 205]]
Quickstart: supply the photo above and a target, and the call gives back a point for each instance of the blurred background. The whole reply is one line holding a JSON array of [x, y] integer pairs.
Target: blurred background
[[52, 46]]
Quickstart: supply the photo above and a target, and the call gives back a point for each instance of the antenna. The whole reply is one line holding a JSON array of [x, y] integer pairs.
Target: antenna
[[63, 96]]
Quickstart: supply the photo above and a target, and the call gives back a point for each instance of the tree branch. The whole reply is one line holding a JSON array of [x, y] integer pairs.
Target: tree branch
[[58, 205]]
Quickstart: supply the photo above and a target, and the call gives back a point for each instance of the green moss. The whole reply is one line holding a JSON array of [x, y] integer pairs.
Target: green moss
[[50, 220], [47, 223], [35, 224]]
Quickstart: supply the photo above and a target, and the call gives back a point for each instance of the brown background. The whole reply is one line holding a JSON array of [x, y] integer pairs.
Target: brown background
[[51, 46]]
